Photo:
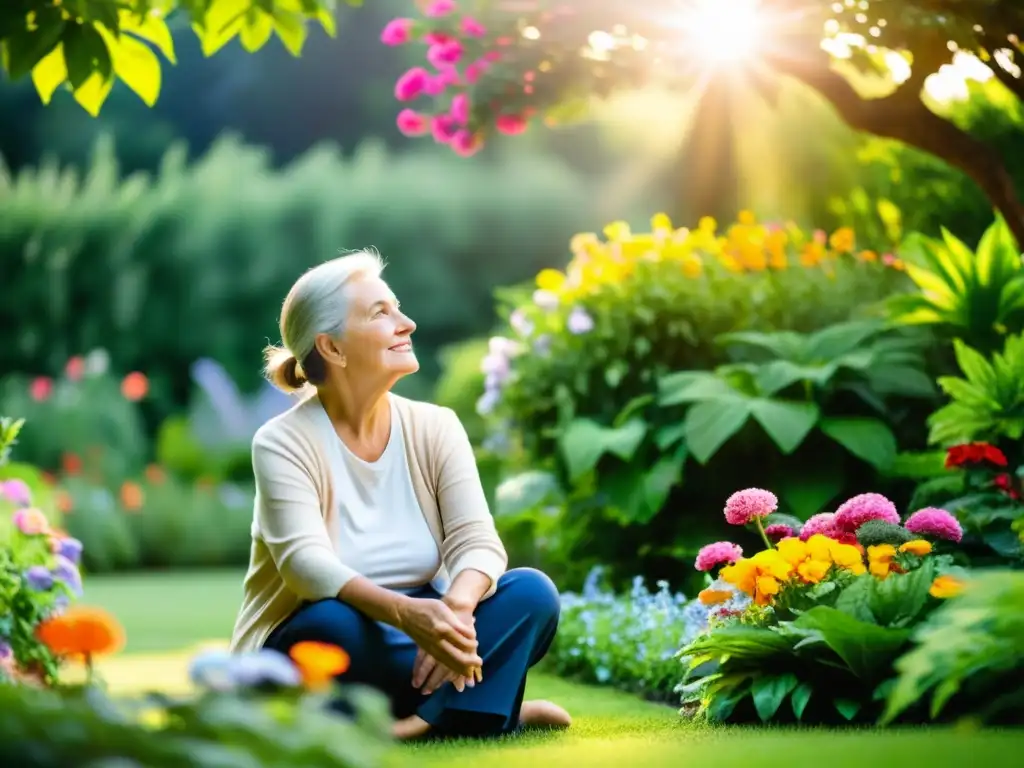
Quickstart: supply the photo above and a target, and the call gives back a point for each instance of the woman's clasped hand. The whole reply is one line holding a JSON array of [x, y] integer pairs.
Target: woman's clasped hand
[[447, 643]]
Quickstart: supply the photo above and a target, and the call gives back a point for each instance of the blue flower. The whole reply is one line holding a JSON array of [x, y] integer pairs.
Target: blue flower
[[71, 549], [67, 572], [39, 578]]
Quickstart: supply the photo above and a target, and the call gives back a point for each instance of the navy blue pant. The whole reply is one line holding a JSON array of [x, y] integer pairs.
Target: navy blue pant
[[514, 629]]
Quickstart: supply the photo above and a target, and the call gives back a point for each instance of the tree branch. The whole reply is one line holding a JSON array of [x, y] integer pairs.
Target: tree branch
[[1014, 84], [904, 117]]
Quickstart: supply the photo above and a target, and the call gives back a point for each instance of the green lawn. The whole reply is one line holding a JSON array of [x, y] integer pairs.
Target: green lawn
[[165, 613]]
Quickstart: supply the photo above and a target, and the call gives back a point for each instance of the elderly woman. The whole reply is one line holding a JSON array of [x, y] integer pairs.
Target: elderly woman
[[371, 530]]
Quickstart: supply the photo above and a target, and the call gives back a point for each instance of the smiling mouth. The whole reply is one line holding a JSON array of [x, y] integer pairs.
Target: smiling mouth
[[405, 346]]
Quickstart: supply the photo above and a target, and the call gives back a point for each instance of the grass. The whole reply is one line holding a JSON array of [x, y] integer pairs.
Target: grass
[[167, 616]]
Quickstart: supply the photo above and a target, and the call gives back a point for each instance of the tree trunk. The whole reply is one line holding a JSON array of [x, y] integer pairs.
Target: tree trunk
[[905, 117]]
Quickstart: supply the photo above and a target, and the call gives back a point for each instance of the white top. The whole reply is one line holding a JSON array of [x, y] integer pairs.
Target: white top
[[381, 528]]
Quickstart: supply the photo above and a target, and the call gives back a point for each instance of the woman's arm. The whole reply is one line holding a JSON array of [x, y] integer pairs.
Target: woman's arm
[[471, 542]]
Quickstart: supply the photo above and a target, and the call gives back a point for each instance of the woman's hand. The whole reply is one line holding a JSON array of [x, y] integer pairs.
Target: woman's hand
[[428, 675], [440, 633]]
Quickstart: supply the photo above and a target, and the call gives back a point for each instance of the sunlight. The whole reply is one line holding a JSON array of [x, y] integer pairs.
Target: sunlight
[[724, 32]]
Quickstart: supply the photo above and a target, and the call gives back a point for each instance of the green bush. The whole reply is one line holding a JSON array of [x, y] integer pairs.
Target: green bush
[[195, 261]]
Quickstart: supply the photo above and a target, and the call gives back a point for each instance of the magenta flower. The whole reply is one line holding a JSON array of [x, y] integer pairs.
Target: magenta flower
[[475, 70], [823, 524], [779, 531], [436, 85], [413, 123], [30, 521], [853, 513], [439, 8], [444, 55], [397, 32], [745, 506], [411, 84], [17, 492], [716, 554], [935, 522], [472, 28], [466, 144], [511, 125], [443, 127], [460, 108]]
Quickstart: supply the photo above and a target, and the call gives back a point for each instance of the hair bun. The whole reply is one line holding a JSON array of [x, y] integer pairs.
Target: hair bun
[[283, 370]]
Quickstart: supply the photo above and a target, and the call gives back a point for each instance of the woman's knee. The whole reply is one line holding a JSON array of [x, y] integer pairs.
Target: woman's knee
[[326, 621], [535, 591]]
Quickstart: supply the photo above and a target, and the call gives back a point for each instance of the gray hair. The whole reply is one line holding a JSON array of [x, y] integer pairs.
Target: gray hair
[[316, 304]]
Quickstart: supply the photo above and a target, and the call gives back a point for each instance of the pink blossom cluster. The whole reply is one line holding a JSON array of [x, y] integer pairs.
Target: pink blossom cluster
[[448, 49], [719, 553], [853, 513]]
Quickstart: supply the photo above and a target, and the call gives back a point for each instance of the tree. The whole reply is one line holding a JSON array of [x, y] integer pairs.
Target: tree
[[550, 56], [85, 45]]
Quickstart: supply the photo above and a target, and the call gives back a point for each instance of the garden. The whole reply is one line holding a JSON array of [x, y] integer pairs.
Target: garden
[[759, 419]]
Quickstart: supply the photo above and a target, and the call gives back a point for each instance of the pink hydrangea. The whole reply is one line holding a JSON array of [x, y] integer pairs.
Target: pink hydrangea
[[716, 554], [411, 84], [823, 524], [397, 32], [413, 123], [745, 506], [935, 522], [439, 8], [853, 513], [465, 143], [778, 531], [16, 491], [445, 54]]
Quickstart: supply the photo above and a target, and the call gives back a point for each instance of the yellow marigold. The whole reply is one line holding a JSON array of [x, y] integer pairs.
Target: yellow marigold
[[946, 586], [747, 218], [879, 568], [881, 552], [842, 240], [661, 222], [918, 547], [867, 256], [617, 231], [550, 280], [692, 266], [813, 571], [792, 550], [742, 574], [713, 596], [760, 576], [812, 255], [707, 224]]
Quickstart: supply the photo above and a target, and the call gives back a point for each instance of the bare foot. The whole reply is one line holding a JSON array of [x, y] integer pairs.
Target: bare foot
[[543, 714], [410, 728]]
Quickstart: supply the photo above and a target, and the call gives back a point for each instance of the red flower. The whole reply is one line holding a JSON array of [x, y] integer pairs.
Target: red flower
[[969, 454], [1005, 483]]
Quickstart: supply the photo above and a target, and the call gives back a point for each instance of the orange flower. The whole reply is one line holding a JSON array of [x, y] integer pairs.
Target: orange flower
[[72, 463], [155, 474], [132, 496], [319, 663], [135, 386], [65, 504], [81, 631], [946, 586], [714, 596]]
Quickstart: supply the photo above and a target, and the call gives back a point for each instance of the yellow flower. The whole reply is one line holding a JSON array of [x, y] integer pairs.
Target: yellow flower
[[812, 255], [660, 222], [550, 280], [692, 266], [842, 240], [792, 550], [767, 588], [747, 218], [820, 547], [742, 574], [713, 596], [918, 547], [772, 563], [946, 586], [881, 552], [708, 225], [867, 256], [584, 243], [760, 576], [879, 568], [617, 231], [813, 571]]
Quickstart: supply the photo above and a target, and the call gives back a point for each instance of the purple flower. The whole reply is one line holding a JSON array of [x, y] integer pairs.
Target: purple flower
[[488, 401], [212, 670], [546, 300], [744, 506], [935, 522], [6, 652], [39, 578], [17, 492], [67, 572], [579, 321], [71, 549], [779, 531], [520, 323], [265, 667], [853, 513]]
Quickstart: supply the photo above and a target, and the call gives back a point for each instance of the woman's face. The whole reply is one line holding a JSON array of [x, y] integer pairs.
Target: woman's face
[[378, 336]]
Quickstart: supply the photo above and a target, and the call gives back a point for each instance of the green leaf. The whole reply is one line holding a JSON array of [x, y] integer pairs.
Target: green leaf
[[976, 368], [152, 29], [799, 699], [667, 436], [290, 27], [777, 375], [769, 691], [840, 339], [691, 387], [867, 649], [25, 48], [848, 708], [584, 442], [867, 439], [86, 53], [786, 423], [137, 66], [50, 73], [806, 494], [711, 423], [665, 475], [256, 31]]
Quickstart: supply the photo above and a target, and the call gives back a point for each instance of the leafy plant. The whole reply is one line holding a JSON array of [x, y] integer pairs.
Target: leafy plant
[[967, 659], [975, 296], [987, 402]]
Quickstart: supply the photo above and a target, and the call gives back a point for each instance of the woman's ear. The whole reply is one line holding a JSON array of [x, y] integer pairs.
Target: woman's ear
[[330, 350]]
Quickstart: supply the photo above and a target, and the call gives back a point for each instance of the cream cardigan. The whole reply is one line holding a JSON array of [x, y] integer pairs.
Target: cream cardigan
[[294, 556]]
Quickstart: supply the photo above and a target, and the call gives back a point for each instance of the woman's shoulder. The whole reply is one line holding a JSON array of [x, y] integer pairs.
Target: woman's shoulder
[[423, 414], [292, 429]]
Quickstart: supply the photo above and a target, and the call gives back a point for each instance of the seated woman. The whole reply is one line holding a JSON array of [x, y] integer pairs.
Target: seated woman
[[371, 530]]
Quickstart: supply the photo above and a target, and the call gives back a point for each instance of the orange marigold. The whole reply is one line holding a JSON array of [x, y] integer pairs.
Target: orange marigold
[[82, 631], [319, 663]]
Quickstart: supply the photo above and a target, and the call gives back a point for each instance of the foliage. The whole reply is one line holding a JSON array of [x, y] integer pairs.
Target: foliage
[[628, 641], [38, 575], [252, 710], [976, 296], [968, 657], [87, 45], [213, 244], [827, 620], [987, 402]]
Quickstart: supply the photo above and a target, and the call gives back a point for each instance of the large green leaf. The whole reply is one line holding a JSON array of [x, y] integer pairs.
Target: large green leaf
[[739, 642], [807, 493], [867, 439], [976, 368], [799, 699], [894, 602], [769, 691], [709, 424], [777, 375], [691, 387], [867, 649], [786, 423], [584, 442], [841, 339]]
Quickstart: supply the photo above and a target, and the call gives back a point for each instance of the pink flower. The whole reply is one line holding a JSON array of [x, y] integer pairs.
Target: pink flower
[[411, 84], [40, 389], [437, 38], [511, 125], [853, 513], [823, 524], [31, 522], [75, 368], [443, 55], [778, 531], [17, 492], [435, 86], [472, 28], [460, 109], [397, 32], [716, 554], [935, 522], [413, 123], [475, 70], [744, 506], [443, 127], [439, 8], [466, 144], [492, 56]]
